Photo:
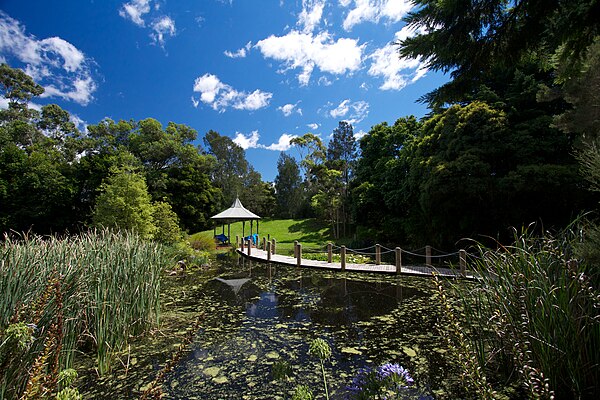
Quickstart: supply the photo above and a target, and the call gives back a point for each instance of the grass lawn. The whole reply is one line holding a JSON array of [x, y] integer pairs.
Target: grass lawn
[[311, 233]]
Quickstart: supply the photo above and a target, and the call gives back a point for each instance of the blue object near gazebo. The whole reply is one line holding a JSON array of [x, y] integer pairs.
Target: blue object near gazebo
[[237, 212]]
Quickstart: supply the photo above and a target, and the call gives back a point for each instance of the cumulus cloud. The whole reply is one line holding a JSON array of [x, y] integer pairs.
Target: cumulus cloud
[[221, 96], [396, 71], [375, 10], [310, 16], [289, 109], [54, 63], [247, 142], [313, 126], [135, 10], [251, 141], [305, 51], [352, 112], [241, 53]]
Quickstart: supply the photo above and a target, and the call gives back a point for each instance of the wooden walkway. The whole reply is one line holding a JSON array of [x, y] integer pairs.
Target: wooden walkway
[[425, 271]]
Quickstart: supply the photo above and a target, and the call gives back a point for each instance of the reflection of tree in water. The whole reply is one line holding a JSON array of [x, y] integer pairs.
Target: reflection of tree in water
[[338, 302]]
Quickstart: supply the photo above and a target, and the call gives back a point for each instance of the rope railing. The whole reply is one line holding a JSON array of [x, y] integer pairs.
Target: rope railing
[[371, 257]]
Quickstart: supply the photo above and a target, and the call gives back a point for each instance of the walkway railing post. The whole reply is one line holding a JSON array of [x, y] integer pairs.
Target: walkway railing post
[[398, 260], [329, 252], [462, 254], [268, 251], [377, 254], [295, 248], [264, 243], [428, 255], [249, 247], [273, 245], [237, 241], [242, 247], [343, 255], [299, 254]]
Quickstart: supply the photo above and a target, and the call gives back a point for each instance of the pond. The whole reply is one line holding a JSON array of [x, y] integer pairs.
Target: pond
[[259, 319]]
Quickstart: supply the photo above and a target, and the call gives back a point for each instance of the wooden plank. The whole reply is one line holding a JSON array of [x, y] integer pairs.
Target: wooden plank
[[415, 270]]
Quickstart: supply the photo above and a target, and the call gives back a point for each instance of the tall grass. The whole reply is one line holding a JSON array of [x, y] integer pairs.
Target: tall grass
[[541, 313], [109, 291]]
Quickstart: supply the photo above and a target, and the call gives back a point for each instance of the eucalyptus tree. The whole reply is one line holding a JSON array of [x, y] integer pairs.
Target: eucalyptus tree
[[231, 166], [288, 186]]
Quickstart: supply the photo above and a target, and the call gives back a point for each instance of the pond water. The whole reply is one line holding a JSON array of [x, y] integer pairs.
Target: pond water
[[259, 319]]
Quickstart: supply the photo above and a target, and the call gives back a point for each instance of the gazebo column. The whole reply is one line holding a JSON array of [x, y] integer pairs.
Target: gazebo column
[[243, 229], [229, 231], [251, 223], [257, 227]]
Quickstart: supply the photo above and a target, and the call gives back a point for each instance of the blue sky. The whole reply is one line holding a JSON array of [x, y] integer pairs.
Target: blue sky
[[258, 71]]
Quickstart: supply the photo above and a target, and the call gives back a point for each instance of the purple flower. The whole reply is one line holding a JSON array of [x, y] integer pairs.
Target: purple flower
[[395, 373]]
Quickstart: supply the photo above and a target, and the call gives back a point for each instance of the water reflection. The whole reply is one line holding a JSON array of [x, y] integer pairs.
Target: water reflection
[[259, 314]]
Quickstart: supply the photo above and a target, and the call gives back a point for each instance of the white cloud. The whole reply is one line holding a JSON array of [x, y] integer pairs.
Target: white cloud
[[135, 10], [375, 10], [161, 27], [307, 51], [355, 111], [54, 63], [282, 144], [313, 126], [247, 142], [79, 123], [138, 12], [241, 53], [324, 81], [251, 141], [289, 109], [310, 16], [221, 96], [397, 71], [359, 135]]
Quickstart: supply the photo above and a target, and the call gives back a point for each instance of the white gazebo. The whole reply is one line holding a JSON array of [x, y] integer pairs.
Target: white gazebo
[[237, 212]]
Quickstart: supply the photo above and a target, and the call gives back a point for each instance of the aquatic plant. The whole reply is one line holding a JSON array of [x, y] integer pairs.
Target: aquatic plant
[[542, 309], [302, 392], [97, 290], [388, 381], [320, 348]]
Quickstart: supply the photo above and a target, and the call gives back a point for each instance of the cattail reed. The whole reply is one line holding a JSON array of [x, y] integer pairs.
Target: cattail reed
[[100, 288]]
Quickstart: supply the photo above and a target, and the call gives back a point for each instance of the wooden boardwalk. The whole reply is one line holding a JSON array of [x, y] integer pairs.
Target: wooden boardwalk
[[425, 271]]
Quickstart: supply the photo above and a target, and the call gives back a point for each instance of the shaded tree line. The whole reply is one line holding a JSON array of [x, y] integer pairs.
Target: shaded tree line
[[511, 139]]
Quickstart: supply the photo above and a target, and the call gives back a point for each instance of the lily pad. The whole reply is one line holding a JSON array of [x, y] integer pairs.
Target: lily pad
[[351, 350], [212, 371], [409, 352], [220, 379]]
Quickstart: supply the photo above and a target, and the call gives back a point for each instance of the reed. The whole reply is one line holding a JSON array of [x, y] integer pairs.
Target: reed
[[541, 309], [109, 291]]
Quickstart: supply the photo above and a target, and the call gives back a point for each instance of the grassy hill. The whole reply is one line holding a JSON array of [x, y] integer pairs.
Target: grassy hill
[[312, 233]]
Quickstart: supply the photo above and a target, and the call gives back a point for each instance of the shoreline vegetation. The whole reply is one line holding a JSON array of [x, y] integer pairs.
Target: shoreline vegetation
[[94, 302], [88, 293]]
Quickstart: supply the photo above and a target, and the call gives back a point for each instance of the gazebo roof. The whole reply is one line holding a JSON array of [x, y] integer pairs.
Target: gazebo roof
[[236, 212]]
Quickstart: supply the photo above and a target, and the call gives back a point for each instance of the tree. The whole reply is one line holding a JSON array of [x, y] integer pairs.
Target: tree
[[124, 202], [18, 88], [341, 156], [469, 38], [472, 172], [288, 186], [231, 167], [378, 192], [166, 222]]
